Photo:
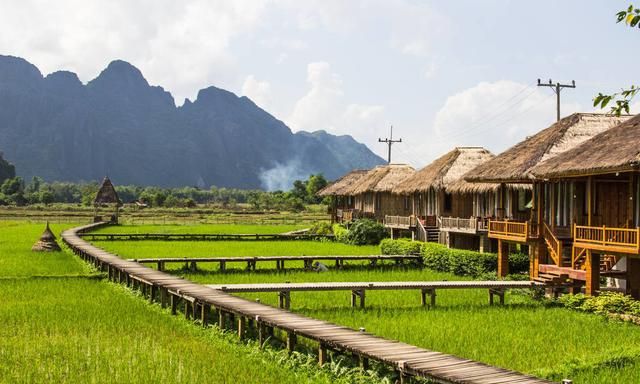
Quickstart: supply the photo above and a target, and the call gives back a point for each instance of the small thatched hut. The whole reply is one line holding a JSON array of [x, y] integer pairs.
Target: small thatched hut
[[372, 193], [107, 197], [47, 242], [602, 179], [342, 202]]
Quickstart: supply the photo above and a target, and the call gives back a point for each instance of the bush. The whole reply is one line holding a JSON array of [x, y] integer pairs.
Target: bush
[[400, 247], [341, 233], [321, 228], [366, 232], [606, 302]]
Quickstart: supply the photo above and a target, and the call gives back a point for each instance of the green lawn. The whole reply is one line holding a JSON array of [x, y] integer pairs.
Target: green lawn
[[17, 260]]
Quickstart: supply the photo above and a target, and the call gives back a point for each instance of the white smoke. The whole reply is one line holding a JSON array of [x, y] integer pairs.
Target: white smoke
[[282, 176]]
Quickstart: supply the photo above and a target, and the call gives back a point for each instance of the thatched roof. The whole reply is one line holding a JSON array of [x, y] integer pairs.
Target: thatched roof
[[463, 186], [514, 164], [343, 185], [106, 194], [47, 242], [445, 170], [382, 178], [614, 150]]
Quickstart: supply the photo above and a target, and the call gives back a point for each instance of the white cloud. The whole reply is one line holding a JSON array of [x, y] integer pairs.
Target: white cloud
[[258, 91], [180, 45], [495, 115], [634, 108], [325, 107]]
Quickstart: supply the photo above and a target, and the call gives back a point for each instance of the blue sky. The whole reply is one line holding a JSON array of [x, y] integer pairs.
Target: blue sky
[[444, 73]]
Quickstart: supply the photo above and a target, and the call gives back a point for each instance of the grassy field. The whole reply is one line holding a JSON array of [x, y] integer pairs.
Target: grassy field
[[79, 329], [209, 228], [523, 335], [17, 260]]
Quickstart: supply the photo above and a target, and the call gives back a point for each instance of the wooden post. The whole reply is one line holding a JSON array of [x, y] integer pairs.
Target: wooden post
[[174, 304], [221, 319], [242, 329], [261, 331], [589, 198], [537, 254], [503, 258], [593, 273], [291, 341], [322, 354], [204, 314], [223, 266], [153, 292], [633, 277]]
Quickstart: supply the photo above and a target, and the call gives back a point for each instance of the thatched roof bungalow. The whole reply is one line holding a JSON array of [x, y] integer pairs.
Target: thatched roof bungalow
[[373, 192], [107, 197], [514, 165], [342, 201]]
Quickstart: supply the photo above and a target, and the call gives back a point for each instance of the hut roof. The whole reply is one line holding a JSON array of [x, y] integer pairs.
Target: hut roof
[[106, 194], [47, 242], [614, 150], [463, 186], [343, 185], [382, 178], [444, 170], [514, 164]]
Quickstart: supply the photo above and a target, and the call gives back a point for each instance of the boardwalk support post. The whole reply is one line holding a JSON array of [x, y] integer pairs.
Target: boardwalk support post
[[174, 304], [355, 294], [497, 292], [284, 299], [204, 314], [431, 293], [242, 327], [291, 341], [322, 354]]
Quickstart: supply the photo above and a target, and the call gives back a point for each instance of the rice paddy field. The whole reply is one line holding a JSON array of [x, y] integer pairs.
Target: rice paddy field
[[70, 327], [525, 335]]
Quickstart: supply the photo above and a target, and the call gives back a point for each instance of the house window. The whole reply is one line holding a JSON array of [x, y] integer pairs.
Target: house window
[[406, 202], [524, 200], [448, 202]]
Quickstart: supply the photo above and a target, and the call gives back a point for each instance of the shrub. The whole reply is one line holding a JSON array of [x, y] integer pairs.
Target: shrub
[[606, 302], [366, 232], [400, 247], [321, 228], [518, 262], [340, 232]]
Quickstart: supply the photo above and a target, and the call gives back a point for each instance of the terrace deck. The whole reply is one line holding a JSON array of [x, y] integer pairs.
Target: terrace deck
[[407, 359], [280, 260], [200, 236]]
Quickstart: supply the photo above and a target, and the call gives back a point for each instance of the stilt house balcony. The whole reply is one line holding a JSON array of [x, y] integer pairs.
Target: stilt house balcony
[[399, 222], [347, 215], [606, 240], [473, 225], [515, 231]]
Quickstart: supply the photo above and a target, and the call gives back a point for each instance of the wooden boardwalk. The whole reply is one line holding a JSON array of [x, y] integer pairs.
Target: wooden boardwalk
[[358, 289], [251, 261], [248, 317], [201, 236]]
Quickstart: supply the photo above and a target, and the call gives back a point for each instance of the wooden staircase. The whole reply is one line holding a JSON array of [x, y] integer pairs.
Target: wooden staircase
[[433, 234], [607, 262]]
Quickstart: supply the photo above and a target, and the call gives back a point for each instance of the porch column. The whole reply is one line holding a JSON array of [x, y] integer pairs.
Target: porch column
[[633, 277], [593, 273], [537, 254], [503, 258]]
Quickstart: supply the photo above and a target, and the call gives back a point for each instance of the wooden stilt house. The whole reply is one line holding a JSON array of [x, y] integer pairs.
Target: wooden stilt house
[[342, 205], [456, 217], [590, 213], [514, 167], [372, 193]]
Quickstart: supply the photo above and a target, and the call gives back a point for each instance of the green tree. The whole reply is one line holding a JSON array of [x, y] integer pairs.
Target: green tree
[[314, 184], [7, 170], [631, 17]]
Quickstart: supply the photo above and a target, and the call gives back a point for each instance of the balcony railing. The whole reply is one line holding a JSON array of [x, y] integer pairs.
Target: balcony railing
[[509, 230], [399, 221], [608, 239], [459, 224]]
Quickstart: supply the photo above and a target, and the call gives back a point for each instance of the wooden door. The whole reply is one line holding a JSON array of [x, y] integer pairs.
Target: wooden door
[[611, 204]]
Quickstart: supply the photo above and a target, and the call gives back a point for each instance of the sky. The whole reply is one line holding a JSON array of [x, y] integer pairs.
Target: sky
[[443, 73]]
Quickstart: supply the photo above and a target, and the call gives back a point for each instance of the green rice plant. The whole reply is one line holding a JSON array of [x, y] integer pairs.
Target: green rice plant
[[17, 259]]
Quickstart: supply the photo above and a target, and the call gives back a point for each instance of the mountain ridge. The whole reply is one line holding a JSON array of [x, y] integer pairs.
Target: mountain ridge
[[56, 127]]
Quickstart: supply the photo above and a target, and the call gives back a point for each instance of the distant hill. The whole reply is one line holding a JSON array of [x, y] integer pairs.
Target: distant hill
[[117, 124]]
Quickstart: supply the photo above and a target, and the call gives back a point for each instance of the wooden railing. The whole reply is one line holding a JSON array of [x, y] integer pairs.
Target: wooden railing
[[458, 224], [421, 231], [553, 244], [621, 240], [509, 230], [398, 221]]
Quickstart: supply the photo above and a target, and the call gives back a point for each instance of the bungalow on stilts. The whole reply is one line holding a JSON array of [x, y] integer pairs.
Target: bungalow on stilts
[[547, 224], [342, 204], [107, 197], [591, 195]]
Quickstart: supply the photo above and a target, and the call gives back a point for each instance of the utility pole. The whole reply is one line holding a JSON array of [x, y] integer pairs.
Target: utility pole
[[557, 87], [389, 142]]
